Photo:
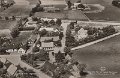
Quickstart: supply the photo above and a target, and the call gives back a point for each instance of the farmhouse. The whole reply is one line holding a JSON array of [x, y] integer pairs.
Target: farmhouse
[[47, 45], [22, 51], [82, 34], [31, 24], [54, 38], [49, 29], [12, 69], [53, 2]]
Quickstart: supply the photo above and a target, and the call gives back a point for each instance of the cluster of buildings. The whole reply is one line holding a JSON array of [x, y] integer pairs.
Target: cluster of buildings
[[13, 69]]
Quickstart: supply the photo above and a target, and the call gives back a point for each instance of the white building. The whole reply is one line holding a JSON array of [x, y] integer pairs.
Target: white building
[[11, 50], [48, 29], [12, 69], [82, 34], [31, 24], [47, 46], [22, 51]]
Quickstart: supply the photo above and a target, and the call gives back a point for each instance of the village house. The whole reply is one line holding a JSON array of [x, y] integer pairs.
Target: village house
[[82, 34], [10, 48], [48, 29], [9, 67], [3, 60], [12, 69], [31, 24], [22, 51], [54, 38], [47, 46]]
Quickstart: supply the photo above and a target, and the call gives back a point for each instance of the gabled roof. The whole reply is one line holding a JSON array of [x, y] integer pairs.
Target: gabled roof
[[12, 69], [47, 44], [53, 2], [56, 38], [4, 60]]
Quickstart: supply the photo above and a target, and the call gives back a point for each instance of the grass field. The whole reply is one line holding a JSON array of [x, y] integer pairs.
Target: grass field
[[103, 54], [33, 2], [6, 24], [17, 10]]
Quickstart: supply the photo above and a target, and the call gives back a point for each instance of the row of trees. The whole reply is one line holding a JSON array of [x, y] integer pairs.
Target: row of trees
[[93, 34]]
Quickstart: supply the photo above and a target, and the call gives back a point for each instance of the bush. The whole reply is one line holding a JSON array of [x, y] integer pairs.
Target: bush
[[15, 32], [58, 22]]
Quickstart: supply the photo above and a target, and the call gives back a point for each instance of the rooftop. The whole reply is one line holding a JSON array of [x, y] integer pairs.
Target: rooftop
[[12, 69], [53, 2], [56, 38], [47, 44]]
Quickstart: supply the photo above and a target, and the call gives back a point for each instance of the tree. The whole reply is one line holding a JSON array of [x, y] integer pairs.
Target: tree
[[59, 57], [52, 22], [15, 32], [68, 32], [69, 4], [77, 28], [35, 49], [71, 25], [61, 35], [58, 22], [67, 50], [43, 32], [1, 65], [109, 30]]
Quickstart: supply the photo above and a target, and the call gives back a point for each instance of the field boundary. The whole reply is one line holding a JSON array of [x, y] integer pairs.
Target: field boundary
[[94, 42]]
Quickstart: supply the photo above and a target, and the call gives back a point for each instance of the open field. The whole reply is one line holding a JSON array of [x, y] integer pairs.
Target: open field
[[70, 15], [17, 10], [6, 24], [33, 2], [103, 54], [111, 13]]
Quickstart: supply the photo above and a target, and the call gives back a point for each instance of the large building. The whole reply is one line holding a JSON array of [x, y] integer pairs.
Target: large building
[[53, 2]]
